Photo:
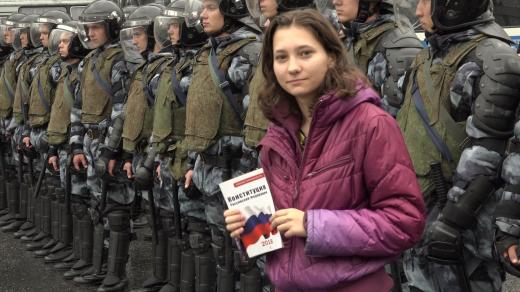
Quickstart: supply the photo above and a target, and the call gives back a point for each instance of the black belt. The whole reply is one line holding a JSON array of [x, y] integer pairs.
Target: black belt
[[94, 133], [221, 161]]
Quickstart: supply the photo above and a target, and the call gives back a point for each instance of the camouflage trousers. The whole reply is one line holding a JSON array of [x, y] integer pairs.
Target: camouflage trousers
[[16, 140], [38, 137], [207, 178], [482, 270], [118, 191], [163, 192], [78, 183], [7, 150]]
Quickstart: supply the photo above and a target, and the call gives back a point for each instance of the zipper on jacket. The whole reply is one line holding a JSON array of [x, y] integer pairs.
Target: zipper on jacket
[[340, 162], [297, 187]]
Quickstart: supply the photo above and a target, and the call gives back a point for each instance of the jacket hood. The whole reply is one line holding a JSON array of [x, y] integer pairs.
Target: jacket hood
[[327, 110]]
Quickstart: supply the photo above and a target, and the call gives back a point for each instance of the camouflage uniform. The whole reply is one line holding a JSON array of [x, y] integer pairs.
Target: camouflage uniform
[[383, 51], [58, 134], [8, 77], [98, 104], [466, 118], [212, 125], [29, 208]]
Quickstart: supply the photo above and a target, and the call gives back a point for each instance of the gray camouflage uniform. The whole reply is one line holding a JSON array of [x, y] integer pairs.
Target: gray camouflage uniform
[[81, 142], [474, 82], [392, 52]]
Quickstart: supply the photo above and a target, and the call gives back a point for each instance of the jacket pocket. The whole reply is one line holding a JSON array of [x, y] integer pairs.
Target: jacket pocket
[[342, 161]]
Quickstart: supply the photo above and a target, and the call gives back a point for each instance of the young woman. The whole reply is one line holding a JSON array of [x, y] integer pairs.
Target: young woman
[[344, 206]]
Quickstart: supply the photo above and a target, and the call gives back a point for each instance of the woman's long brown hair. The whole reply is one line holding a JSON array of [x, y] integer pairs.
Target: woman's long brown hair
[[341, 78]]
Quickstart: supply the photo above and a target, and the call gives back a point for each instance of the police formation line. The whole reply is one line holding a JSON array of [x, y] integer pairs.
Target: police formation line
[[163, 103]]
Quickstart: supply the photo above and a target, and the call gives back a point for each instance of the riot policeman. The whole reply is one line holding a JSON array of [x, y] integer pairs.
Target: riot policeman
[[27, 71], [9, 201], [214, 121], [173, 240], [381, 41], [457, 117], [97, 111], [5, 51], [42, 90], [64, 41], [141, 50]]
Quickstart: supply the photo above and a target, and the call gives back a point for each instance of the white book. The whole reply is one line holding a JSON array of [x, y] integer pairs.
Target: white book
[[250, 194]]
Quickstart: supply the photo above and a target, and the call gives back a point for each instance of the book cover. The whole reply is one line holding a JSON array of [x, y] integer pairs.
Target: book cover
[[250, 194]]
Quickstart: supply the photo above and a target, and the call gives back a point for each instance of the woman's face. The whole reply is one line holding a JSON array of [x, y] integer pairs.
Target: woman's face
[[300, 61]]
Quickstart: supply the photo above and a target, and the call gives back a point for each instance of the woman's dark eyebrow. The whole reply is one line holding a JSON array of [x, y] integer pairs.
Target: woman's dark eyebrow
[[298, 48]]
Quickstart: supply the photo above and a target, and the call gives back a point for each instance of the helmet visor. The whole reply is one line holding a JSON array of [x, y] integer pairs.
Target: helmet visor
[[40, 34], [404, 13], [59, 42], [6, 35], [21, 38], [254, 8], [134, 41], [93, 34], [167, 30], [192, 14]]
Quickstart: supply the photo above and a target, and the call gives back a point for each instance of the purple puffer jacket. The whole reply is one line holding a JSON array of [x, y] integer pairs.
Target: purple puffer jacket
[[357, 185]]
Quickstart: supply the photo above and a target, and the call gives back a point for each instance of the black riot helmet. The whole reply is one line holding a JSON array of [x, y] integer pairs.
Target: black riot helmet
[[127, 10], [288, 5], [234, 9], [143, 18], [7, 26], [173, 17], [22, 32], [101, 12], [67, 34], [450, 16], [364, 10]]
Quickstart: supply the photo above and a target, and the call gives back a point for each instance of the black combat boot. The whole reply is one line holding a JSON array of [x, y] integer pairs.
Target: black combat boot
[[159, 276], [86, 231], [12, 193], [97, 272], [67, 262], [26, 201], [35, 213], [43, 240], [3, 195], [116, 280], [53, 226], [21, 216], [63, 234]]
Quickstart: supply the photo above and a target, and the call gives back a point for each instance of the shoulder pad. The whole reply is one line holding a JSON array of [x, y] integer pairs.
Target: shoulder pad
[[91, 54], [112, 52], [396, 38], [493, 30], [500, 61], [251, 51]]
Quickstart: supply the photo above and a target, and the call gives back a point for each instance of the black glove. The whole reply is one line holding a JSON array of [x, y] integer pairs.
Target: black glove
[[503, 242]]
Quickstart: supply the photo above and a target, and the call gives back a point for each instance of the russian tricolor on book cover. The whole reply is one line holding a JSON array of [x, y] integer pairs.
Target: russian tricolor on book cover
[[250, 194]]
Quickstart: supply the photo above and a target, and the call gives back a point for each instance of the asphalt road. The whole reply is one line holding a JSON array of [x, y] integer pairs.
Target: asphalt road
[[21, 272]]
